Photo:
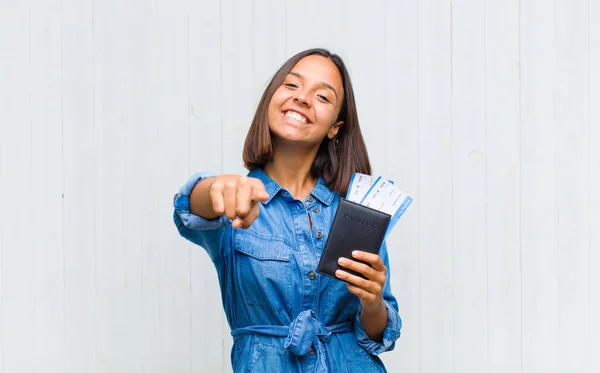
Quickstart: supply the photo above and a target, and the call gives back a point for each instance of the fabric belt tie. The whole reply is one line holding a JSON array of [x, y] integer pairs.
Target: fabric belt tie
[[305, 331]]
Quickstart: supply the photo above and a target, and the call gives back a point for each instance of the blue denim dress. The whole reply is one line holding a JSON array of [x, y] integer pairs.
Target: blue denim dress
[[285, 317]]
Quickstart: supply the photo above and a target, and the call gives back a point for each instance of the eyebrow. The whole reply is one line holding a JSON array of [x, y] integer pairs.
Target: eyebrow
[[324, 84]]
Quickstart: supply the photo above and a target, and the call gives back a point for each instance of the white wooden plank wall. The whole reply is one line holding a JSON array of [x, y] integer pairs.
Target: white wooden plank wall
[[487, 112]]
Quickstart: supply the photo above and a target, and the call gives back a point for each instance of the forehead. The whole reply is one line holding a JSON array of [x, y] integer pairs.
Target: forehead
[[319, 69]]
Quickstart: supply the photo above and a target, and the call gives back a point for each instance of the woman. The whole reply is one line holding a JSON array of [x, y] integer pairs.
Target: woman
[[265, 232]]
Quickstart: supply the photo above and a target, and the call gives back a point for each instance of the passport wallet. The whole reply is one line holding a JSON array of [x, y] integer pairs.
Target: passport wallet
[[354, 227]]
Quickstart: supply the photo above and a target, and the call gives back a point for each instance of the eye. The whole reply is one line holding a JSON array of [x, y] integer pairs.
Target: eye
[[324, 98], [291, 85]]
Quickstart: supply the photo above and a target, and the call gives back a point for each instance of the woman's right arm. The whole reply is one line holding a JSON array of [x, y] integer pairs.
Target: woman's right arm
[[206, 203]]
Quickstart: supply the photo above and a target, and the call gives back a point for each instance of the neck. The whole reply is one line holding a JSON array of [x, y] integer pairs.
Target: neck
[[290, 168]]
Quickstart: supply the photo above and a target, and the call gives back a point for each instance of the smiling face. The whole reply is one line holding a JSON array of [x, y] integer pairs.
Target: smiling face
[[310, 98], [304, 109]]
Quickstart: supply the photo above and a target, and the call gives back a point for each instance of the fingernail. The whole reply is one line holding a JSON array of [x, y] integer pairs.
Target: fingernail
[[339, 273], [342, 260], [355, 254]]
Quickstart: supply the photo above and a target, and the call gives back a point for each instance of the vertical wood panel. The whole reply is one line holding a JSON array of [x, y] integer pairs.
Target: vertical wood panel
[[594, 196], [205, 78], [399, 123], [238, 83], [538, 192], [503, 186], [141, 188], [572, 183], [46, 160], [269, 25], [18, 278], [46, 146], [205, 149], [435, 187], [174, 313], [469, 165], [110, 116], [79, 187]]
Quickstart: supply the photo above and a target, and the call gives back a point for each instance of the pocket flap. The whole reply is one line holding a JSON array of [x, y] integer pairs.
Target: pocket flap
[[262, 248]]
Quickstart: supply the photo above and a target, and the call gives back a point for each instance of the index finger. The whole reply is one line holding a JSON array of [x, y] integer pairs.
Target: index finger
[[372, 259], [259, 194]]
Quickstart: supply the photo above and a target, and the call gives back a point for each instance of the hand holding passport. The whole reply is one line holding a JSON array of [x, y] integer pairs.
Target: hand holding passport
[[363, 219]]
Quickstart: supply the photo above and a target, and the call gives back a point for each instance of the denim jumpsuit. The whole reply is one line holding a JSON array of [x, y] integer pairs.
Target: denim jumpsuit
[[283, 315]]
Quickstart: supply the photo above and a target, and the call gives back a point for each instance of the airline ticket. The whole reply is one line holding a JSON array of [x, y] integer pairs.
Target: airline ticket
[[379, 194]]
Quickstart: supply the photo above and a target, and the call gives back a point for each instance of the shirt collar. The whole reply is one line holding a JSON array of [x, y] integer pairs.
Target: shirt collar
[[321, 191]]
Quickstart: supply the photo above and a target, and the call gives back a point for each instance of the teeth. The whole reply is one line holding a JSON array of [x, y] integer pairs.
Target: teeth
[[295, 116]]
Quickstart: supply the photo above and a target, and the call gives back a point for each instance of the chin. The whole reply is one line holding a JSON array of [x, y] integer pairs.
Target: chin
[[294, 140]]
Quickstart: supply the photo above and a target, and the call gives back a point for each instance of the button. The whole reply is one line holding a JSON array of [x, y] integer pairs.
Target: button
[[316, 210], [312, 275], [310, 198], [319, 234], [311, 350]]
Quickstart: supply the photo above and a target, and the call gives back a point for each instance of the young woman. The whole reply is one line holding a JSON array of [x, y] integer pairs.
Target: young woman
[[265, 232]]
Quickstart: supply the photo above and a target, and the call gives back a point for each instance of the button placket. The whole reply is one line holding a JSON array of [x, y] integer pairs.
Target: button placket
[[305, 235]]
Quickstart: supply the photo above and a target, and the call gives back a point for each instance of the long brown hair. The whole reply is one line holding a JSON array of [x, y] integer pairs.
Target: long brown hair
[[336, 159]]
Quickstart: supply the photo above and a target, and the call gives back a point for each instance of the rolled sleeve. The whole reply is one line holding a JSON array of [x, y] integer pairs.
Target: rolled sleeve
[[181, 203], [390, 334], [203, 232]]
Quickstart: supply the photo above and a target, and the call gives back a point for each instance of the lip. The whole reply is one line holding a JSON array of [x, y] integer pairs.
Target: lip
[[308, 121]]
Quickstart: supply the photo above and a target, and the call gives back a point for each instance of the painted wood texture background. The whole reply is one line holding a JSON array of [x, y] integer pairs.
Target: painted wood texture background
[[486, 111]]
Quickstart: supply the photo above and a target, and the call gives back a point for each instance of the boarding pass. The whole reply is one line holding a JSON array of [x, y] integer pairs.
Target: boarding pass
[[380, 194]]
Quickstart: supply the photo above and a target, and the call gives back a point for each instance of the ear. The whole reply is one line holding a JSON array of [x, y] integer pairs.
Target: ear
[[334, 129]]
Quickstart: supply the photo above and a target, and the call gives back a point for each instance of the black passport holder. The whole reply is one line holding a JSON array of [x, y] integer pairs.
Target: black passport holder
[[354, 227]]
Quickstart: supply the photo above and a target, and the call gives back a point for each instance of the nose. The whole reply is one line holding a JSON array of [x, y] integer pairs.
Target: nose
[[302, 98]]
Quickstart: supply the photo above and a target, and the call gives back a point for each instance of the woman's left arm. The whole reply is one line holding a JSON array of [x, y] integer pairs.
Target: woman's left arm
[[374, 316], [378, 317]]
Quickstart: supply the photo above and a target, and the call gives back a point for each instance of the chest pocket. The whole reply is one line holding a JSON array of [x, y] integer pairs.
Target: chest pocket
[[264, 270]]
